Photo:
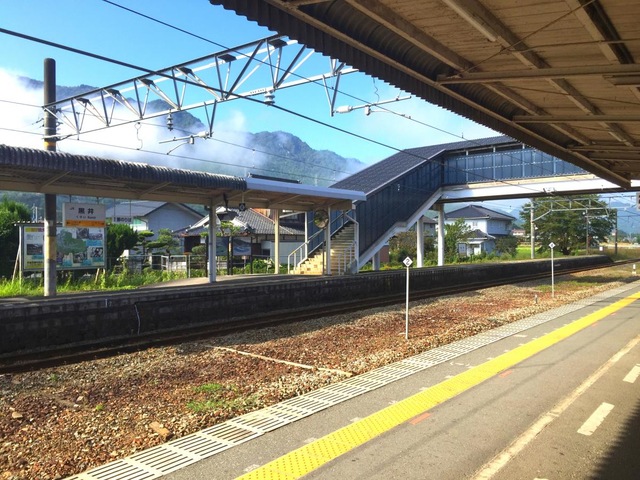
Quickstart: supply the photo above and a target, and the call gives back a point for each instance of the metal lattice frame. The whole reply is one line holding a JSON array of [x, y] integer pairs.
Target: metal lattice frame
[[252, 70]]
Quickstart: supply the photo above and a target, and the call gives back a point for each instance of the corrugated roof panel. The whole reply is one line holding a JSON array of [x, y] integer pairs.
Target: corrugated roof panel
[[378, 39], [42, 160]]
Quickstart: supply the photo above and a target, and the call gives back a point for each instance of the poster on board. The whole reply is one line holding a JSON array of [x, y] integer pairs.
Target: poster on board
[[76, 247]]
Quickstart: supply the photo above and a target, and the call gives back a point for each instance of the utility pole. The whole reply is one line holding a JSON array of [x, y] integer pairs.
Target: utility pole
[[50, 209]]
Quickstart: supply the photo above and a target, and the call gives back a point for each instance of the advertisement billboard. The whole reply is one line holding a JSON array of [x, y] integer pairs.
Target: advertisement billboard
[[76, 247]]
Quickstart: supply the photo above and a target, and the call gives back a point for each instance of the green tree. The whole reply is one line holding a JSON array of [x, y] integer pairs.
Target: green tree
[[401, 246], [507, 245], [454, 234], [120, 237], [571, 223], [164, 243], [143, 240], [11, 212]]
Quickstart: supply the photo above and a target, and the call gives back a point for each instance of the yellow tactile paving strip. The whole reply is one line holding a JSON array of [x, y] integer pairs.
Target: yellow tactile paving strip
[[316, 454]]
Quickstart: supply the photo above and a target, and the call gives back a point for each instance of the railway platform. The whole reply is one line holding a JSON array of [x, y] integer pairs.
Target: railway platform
[[524, 400]]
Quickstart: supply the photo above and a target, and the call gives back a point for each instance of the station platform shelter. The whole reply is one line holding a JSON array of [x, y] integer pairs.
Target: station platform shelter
[[347, 224]]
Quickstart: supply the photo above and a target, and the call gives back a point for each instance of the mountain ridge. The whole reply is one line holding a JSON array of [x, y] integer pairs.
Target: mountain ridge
[[280, 154]]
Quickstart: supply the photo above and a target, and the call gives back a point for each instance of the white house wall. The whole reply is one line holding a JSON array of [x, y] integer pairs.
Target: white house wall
[[492, 227], [170, 216], [499, 227], [286, 248]]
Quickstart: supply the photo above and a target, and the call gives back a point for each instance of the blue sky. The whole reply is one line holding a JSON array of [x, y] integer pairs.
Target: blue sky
[[102, 28]]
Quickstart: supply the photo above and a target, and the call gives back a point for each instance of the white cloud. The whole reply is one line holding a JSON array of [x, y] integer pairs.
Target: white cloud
[[21, 125], [21, 112]]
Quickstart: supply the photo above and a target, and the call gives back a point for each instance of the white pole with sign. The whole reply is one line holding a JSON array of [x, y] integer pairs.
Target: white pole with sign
[[553, 293], [407, 263]]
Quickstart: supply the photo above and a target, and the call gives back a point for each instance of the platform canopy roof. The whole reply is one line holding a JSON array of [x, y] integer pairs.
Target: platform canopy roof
[[558, 75], [40, 171]]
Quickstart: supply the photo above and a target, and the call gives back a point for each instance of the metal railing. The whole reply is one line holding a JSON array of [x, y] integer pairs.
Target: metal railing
[[176, 263], [302, 253], [346, 258]]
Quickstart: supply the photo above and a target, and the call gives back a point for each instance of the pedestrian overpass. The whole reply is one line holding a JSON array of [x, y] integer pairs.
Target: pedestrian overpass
[[402, 188]]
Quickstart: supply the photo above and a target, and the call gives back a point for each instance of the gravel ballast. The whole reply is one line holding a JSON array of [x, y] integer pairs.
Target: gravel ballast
[[62, 421]]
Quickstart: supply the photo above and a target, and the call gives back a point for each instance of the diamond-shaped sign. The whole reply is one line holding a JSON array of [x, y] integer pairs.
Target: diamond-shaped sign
[[407, 262], [551, 245]]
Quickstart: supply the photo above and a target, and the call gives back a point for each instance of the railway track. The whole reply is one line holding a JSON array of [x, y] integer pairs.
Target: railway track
[[35, 360]]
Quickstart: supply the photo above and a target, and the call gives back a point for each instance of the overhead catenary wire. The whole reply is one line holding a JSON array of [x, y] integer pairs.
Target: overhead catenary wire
[[196, 159], [151, 71], [344, 131], [364, 138], [629, 214], [168, 25]]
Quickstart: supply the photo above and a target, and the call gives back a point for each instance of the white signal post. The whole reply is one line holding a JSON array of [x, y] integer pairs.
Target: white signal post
[[407, 263], [553, 293]]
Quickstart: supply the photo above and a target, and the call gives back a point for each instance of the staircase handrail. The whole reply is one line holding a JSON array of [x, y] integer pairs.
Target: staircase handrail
[[302, 251], [346, 259]]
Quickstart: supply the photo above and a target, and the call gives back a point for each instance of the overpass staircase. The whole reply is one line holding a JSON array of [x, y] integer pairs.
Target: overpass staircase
[[403, 187], [343, 254]]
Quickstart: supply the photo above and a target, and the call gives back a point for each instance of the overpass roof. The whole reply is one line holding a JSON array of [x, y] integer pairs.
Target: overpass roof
[[560, 75], [379, 174], [40, 171]]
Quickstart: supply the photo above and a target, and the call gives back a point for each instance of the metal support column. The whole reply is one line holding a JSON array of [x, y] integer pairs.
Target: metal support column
[[420, 243], [327, 242], [50, 210], [211, 242], [375, 261], [440, 210], [276, 248], [306, 234]]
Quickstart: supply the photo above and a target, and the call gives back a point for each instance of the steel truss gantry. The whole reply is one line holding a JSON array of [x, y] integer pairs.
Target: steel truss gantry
[[262, 67]]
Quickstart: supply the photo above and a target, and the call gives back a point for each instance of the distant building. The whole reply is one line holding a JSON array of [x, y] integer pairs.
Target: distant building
[[486, 226], [518, 232], [256, 234]]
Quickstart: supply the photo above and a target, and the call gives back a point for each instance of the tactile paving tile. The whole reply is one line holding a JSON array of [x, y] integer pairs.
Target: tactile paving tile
[[159, 460]]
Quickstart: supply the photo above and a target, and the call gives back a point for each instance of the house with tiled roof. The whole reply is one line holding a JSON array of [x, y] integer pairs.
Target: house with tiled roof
[[486, 226], [255, 234]]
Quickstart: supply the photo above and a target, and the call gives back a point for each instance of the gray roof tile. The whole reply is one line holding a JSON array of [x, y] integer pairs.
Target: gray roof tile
[[476, 211]]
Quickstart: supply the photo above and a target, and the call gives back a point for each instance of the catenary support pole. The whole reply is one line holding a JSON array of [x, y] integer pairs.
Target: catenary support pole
[[50, 210], [615, 234]]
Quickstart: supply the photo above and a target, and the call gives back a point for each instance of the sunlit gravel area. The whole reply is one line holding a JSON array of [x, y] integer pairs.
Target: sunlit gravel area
[[65, 420]]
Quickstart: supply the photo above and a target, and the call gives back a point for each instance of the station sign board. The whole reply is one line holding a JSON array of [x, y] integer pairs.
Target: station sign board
[[83, 215]]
